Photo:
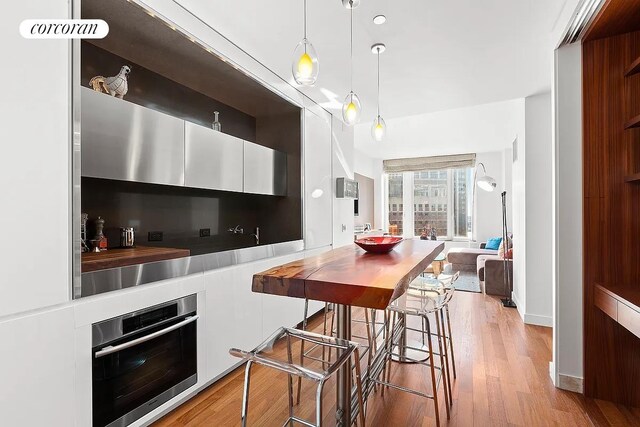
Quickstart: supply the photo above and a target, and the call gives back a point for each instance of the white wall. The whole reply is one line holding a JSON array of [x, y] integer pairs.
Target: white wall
[[488, 211], [519, 222], [342, 167], [35, 155], [532, 213], [539, 194], [568, 329], [371, 167]]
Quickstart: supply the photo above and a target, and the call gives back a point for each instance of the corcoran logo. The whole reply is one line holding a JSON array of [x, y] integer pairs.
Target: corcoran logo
[[64, 29]]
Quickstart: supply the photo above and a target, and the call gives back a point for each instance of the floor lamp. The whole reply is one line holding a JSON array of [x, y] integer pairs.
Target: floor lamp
[[486, 183], [506, 272]]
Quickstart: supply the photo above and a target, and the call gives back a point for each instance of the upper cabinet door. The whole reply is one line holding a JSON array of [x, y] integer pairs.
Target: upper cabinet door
[[125, 141], [265, 170], [213, 159], [317, 181]]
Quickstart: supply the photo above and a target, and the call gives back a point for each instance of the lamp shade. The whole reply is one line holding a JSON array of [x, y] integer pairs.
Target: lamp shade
[[487, 183]]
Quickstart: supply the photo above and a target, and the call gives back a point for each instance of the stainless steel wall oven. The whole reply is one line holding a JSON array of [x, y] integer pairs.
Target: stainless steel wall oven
[[143, 359]]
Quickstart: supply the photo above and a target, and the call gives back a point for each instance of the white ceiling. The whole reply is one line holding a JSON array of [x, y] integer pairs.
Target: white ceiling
[[476, 129], [441, 54]]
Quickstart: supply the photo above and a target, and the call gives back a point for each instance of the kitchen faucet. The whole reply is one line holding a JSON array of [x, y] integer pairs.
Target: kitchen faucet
[[257, 235]]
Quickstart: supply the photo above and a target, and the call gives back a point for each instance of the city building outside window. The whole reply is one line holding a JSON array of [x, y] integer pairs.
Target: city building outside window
[[441, 199], [394, 196]]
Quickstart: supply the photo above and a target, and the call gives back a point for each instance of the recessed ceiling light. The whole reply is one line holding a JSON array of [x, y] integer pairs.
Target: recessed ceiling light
[[379, 19]]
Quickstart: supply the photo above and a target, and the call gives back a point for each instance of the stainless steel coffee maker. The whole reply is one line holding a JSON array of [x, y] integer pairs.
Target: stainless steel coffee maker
[[127, 237]]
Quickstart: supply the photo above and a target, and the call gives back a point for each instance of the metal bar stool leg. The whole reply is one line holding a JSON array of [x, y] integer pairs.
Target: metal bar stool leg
[[434, 383], [445, 346], [304, 328], [290, 380], [359, 387], [453, 359], [442, 366], [245, 393], [319, 404]]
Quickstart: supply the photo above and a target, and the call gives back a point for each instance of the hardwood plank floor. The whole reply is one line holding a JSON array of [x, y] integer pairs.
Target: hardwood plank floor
[[503, 380]]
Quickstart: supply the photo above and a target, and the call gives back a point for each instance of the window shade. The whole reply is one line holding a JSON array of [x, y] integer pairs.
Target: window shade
[[429, 163]]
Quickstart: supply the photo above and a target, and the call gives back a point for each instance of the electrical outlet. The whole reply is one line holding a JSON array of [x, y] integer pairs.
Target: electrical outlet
[[205, 232], [155, 236]]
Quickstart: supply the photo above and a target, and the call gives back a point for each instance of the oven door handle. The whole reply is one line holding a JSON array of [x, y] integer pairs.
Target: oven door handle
[[113, 349]]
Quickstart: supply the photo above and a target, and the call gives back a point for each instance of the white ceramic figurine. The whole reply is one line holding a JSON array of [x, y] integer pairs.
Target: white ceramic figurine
[[115, 86]]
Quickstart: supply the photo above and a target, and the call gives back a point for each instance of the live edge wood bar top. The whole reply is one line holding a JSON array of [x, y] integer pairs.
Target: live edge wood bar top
[[113, 258], [351, 276]]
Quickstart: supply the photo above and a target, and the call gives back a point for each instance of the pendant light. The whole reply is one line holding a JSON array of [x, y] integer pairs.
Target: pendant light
[[304, 66], [379, 127], [351, 107]]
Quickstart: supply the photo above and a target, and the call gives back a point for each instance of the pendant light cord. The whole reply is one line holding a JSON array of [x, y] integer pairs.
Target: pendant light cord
[[378, 118], [351, 2], [305, 19]]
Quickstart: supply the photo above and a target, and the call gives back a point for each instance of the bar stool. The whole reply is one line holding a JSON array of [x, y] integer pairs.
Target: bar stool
[[443, 281], [371, 338], [421, 306], [265, 355]]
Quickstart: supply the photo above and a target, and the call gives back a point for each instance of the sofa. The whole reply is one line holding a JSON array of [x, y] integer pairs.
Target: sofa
[[490, 270], [465, 259]]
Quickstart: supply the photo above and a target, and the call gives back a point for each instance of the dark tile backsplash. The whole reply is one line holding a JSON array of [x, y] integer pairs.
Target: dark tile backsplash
[[179, 213]]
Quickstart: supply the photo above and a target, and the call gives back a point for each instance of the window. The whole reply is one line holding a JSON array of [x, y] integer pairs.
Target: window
[[441, 199], [395, 198]]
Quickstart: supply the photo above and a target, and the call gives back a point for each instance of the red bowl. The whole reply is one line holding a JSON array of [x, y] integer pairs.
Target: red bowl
[[378, 245]]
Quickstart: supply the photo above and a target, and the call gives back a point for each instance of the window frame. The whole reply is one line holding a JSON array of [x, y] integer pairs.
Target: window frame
[[408, 198]]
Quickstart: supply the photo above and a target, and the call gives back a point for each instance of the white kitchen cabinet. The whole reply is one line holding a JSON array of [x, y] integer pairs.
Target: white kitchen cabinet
[[220, 326], [280, 311], [318, 194], [35, 165], [238, 317], [342, 167], [37, 368], [234, 315]]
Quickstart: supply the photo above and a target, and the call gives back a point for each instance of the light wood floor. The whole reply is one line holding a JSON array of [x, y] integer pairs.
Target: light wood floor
[[503, 380]]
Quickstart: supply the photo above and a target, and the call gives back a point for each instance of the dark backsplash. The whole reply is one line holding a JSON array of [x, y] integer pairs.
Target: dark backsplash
[[179, 213]]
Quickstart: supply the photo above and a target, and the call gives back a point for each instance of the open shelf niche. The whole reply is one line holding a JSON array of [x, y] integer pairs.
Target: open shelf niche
[[176, 75]]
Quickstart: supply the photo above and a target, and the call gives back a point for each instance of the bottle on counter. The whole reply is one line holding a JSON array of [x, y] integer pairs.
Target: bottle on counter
[[216, 123], [100, 239]]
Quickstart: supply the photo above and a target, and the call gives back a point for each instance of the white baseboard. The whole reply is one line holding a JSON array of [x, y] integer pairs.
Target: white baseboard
[[567, 382], [552, 373], [519, 306], [531, 319], [534, 319]]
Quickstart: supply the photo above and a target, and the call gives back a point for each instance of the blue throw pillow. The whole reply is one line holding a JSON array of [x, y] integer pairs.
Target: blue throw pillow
[[493, 243]]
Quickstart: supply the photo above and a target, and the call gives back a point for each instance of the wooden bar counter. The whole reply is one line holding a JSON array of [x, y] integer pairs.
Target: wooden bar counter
[[349, 276]]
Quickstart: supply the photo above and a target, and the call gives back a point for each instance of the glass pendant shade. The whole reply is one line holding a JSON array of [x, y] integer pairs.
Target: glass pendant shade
[[305, 64], [351, 109], [378, 129]]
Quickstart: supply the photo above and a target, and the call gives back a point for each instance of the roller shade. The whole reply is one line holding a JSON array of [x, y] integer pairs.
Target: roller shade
[[416, 164]]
